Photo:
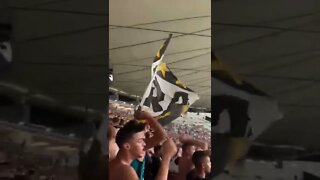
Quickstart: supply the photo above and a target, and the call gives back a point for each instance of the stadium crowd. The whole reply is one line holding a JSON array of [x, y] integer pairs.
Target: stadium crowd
[[140, 148], [30, 167]]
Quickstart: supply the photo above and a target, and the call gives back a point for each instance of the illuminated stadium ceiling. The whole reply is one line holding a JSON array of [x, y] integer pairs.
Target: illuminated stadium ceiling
[[137, 29]]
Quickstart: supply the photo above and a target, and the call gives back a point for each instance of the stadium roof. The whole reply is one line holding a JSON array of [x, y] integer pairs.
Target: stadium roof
[[137, 29]]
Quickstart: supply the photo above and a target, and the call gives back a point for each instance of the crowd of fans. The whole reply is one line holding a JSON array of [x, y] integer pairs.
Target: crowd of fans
[[197, 132], [26, 166], [140, 148]]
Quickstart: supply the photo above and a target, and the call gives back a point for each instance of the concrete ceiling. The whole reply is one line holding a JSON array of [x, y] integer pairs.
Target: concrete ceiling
[[137, 29], [275, 45], [60, 49]]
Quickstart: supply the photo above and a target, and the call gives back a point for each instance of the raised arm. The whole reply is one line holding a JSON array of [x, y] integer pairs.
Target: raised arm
[[186, 139], [169, 149], [159, 135]]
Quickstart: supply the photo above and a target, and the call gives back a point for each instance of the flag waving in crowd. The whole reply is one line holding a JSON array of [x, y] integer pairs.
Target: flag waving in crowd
[[166, 96], [159, 56]]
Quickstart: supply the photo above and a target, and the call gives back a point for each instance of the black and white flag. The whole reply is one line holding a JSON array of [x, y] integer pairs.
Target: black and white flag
[[166, 96], [159, 56]]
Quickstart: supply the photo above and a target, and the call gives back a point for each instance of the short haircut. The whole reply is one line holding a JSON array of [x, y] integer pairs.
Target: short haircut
[[198, 157], [127, 131]]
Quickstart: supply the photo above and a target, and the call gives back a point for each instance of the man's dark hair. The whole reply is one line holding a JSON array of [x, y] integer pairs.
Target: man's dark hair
[[127, 131], [185, 146], [198, 157]]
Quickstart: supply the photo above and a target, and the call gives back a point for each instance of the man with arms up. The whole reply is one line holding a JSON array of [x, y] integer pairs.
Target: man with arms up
[[157, 137], [188, 148], [131, 142]]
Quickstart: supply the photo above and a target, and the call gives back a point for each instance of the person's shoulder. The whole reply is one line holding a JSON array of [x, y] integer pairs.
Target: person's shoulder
[[127, 172], [112, 163], [124, 172], [126, 168]]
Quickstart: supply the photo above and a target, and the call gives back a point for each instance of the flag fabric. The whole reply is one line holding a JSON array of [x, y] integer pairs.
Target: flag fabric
[[240, 109], [159, 56], [166, 96]]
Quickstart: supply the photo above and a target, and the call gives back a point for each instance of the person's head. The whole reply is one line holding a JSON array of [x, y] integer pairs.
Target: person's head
[[122, 122], [131, 138], [188, 149], [201, 161], [115, 120]]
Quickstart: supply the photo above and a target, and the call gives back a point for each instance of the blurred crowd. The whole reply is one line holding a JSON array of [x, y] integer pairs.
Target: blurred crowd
[[197, 132], [24, 166]]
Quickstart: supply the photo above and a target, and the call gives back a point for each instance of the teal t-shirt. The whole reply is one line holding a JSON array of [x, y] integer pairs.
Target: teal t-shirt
[[139, 166]]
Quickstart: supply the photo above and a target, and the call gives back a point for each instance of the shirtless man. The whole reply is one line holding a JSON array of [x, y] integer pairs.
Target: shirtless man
[[202, 163], [131, 142], [188, 148]]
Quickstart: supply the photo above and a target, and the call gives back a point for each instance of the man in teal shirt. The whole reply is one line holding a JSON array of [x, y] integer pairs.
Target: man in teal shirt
[[158, 137]]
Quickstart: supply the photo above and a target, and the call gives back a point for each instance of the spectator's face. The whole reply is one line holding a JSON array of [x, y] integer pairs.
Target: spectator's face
[[206, 165], [137, 144]]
